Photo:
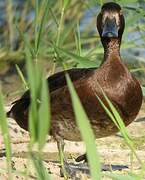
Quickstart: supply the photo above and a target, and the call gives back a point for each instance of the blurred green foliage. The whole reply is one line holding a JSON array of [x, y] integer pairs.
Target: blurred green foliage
[[70, 29], [62, 31]]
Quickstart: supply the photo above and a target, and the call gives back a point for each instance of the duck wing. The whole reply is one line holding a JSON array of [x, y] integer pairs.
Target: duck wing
[[58, 80]]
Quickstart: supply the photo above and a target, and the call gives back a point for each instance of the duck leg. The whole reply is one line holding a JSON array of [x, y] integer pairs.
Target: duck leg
[[68, 170], [60, 145]]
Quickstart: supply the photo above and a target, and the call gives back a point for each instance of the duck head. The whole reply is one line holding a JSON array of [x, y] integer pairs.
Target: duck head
[[110, 23]]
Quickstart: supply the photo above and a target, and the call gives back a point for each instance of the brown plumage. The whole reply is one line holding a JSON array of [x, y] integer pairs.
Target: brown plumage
[[113, 76]]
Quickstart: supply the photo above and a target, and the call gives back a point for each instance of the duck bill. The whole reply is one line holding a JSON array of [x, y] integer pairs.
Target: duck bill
[[110, 29]]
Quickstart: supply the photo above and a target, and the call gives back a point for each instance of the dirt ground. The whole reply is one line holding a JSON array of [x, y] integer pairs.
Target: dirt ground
[[113, 151]]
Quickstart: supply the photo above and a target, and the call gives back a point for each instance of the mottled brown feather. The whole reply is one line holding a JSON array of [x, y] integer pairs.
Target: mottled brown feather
[[120, 86]]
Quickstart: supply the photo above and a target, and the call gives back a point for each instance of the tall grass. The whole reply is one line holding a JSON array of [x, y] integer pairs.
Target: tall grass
[[5, 133], [55, 34], [86, 132]]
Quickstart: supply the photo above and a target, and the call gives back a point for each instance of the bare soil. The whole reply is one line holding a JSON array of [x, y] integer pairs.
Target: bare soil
[[113, 151]]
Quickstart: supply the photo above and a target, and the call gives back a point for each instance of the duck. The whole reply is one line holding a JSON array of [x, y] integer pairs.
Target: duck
[[113, 76]]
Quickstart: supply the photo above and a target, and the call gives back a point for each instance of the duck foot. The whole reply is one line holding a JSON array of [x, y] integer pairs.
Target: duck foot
[[71, 173], [104, 167], [112, 167], [74, 169]]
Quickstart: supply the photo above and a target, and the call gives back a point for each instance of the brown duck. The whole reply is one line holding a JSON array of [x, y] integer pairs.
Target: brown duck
[[113, 76]]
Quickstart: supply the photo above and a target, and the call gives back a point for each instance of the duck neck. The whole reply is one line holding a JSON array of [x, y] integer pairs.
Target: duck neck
[[111, 49]]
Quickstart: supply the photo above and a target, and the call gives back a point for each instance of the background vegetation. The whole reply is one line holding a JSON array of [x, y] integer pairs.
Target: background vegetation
[[71, 28]]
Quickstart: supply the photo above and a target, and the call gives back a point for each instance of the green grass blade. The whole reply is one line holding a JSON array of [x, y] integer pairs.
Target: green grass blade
[[38, 112], [78, 40], [5, 133], [44, 115], [60, 26], [36, 22], [86, 132], [41, 26], [22, 77], [85, 62], [65, 34], [66, 3], [10, 21], [143, 90], [53, 16], [108, 112], [33, 89], [41, 171], [32, 123], [120, 124]]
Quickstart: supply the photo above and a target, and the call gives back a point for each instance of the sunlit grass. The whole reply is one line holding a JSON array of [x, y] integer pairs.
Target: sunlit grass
[[86, 132], [5, 133]]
